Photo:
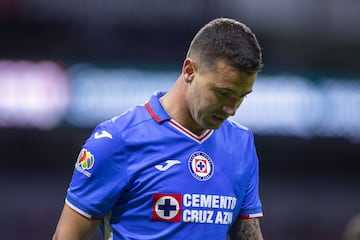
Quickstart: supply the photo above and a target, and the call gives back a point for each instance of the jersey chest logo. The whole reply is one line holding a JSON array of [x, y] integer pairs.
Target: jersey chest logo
[[201, 166], [193, 208], [168, 164], [166, 207]]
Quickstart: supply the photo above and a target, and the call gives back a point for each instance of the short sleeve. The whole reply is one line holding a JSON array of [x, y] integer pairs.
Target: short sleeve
[[251, 206], [99, 176]]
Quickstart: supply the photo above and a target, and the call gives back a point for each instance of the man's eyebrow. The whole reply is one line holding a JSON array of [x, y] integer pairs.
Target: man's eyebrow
[[247, 93]]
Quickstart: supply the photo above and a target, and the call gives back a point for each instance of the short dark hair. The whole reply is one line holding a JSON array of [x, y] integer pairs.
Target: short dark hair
[[228, 40]]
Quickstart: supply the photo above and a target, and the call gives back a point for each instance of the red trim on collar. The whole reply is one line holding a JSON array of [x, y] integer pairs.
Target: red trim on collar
[[189, 133], [152, 113]]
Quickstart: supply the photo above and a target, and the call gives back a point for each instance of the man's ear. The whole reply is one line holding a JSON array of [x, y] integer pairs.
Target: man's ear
[[189, 69]]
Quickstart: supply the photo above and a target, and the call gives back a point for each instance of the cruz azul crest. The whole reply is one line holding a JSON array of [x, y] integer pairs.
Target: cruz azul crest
[[201, 166]]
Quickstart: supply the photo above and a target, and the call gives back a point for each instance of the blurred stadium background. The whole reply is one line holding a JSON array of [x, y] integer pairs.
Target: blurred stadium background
[[67, 65]]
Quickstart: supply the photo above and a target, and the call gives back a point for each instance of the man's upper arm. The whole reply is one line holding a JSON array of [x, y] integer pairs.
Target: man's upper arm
[[74, 226], [245, 229]]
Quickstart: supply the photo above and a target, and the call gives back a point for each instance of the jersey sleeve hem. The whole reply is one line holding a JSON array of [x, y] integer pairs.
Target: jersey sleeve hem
[[80, 211], [76, 209], [251, 215]]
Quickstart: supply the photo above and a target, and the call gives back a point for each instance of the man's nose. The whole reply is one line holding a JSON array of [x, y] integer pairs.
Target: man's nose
[[230, 109]]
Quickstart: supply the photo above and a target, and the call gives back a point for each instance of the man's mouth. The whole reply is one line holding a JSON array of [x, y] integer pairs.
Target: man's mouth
[[219, 118]]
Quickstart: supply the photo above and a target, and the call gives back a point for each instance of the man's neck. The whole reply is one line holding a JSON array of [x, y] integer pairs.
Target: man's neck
[[175, 105]]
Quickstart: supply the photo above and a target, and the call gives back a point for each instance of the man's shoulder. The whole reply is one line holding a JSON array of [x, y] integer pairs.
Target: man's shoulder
[[232, 125], [130, 118], [234, 132], [115, 130]]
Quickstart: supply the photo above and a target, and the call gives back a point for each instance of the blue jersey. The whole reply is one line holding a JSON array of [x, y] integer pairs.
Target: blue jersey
[[147, 177]]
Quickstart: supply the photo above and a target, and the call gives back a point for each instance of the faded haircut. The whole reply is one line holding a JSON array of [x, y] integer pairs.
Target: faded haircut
[[227, 40]]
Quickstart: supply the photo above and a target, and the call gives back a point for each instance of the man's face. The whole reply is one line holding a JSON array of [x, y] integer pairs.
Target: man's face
[[215, 94]]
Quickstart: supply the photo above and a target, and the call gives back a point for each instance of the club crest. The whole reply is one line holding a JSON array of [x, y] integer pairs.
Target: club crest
[[201, 166]]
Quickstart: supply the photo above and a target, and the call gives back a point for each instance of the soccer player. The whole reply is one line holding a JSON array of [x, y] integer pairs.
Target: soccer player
[[176, 167]]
